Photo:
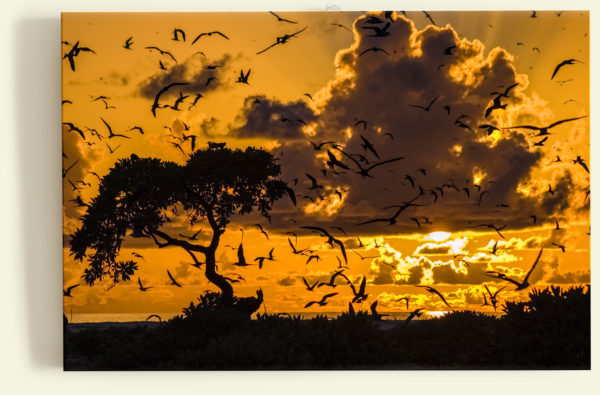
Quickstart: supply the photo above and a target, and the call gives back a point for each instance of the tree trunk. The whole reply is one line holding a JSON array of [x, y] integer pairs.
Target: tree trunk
[[217, 279]]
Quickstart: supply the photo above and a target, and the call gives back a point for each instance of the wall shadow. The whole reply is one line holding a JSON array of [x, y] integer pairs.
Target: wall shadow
[[36, 88]]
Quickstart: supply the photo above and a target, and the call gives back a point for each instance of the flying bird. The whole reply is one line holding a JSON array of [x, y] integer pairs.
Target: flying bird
[[156, 105], [259, 226], [321, 302], [435, 292], [378, 31], [412, 315], [243, 78], [282, 40], [429, 17], [67, 292], [128, 43], [310, 287], [562, 64], [173, 282], [177, 33], [142, 288], [428, 107], [543, 130], [280, 19], [167, 53], [209, 34], [491, 226], [367, 146], [374, 49], [520, 285], [314, 183], [330, 239], [559, 246], [75, 50], [580, 161], [261, 259]]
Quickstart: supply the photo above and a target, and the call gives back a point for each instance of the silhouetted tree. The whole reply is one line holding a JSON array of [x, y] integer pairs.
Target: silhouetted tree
[[138, 193]]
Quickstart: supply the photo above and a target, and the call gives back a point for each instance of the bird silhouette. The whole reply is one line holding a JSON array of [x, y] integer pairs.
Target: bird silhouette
[[142, 288], [294, 250], [506, 91], [435, 292], [425, 108], [563, 249], [491, 226], [580, 161], [374, 49], [67, 292], [65, 171], [167, 53], [73, 128], [541, 142], [310, 287], [331, 283], [243, 78], [489, 128], [321, 302], [429, 17], [367, 146], [562, 64], [164, 89], [209, 34], [139, 129], [412, 315], [154, 316], [259, 226], [135, 254], [364, 172], [330, 239], [392, 220], [376, 316], [173, 281], [493, 297], [496, 105], [261, 259], [74, 52], [557, 226], [128, 43], [282, 40], [314, 184], [406, 299], [520, 285], [448, 51], [543, 130], [112, 150], [280, 19], [178, 33], [378, 31]]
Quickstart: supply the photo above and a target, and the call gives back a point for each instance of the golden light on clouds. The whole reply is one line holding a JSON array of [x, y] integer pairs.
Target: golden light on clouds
[[440, 160]]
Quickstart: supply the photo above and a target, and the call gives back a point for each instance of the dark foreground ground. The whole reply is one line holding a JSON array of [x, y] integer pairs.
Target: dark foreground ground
[[550, 331]]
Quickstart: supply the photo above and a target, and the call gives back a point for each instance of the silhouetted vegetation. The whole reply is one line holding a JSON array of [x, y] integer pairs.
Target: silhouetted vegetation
[[138, 194], [550, 331]]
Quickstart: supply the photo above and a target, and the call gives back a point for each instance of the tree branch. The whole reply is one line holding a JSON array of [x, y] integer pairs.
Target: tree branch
[[176, 242]]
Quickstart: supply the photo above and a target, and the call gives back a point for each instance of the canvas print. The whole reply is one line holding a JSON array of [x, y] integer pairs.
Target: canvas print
[[326, 190]]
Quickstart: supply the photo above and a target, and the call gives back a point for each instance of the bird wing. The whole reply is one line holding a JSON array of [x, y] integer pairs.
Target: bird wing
[[488, 290], [435, 291], [558, 67], [322, 231], [342, 248], [565, 120], [269, 47], [310, 304], [171, 276], [384, 162], [534, 265], [374, 220], [328, 296], [500, 276], [363, 285]]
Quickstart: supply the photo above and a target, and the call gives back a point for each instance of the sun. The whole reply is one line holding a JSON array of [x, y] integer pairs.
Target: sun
[[438, 236]]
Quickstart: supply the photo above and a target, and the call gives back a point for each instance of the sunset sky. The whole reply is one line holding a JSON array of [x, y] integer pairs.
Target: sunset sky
[[493, 51]]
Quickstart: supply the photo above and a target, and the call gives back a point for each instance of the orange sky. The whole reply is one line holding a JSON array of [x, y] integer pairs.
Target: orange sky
[[323, 62]]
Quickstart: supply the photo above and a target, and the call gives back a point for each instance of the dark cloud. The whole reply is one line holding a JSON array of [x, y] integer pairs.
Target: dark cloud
[[286, 281], [381, 90], [263, 117], [192, 70]]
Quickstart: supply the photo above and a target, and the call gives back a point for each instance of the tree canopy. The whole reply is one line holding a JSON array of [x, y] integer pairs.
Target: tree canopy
[[136, 196]]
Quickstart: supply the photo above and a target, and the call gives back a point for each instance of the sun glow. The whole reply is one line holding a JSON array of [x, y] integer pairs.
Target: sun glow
[[438, 236]]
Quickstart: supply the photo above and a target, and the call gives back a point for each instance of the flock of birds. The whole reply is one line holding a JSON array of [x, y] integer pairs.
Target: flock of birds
[[339, 161]]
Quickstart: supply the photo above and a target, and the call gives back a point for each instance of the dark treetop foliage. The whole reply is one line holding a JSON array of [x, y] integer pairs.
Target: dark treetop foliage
[[136, 194]]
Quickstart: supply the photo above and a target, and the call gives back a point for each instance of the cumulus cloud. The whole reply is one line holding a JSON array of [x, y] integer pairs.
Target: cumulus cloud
[[381, 90], [263, 117], [286, 281]]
